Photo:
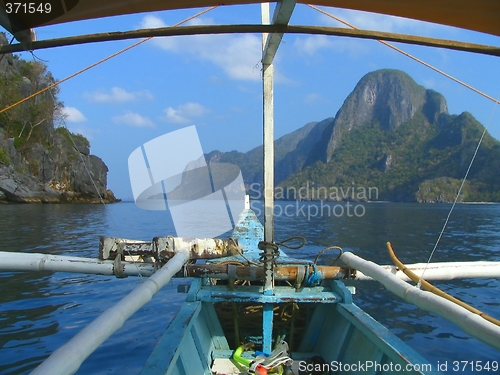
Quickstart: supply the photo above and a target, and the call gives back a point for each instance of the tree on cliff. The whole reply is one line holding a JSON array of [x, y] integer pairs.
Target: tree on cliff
[[30, 121], [40, 162]]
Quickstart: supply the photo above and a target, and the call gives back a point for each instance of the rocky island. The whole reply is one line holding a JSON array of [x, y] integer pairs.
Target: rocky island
[[41, 162], [391, 137]]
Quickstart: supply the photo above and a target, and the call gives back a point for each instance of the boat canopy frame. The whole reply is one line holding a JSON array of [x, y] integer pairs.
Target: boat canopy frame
[[476, 15]]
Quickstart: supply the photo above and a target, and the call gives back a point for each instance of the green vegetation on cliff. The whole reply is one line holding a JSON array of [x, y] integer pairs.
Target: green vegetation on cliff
[[40, 160], [417, 161], [394, 138]]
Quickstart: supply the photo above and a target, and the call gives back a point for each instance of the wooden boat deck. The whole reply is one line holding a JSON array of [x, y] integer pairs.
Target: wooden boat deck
[[338, 331]]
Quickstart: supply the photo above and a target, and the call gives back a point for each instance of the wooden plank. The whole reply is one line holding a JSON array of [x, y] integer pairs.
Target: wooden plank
[[218, 294], [361, 350], [202, 339], [190, 360], [327, 333], [334, 335], [478, 15], [397, 351], [167, 350], [247, 29], [282, 14], [219, 340], [313, 329], [164, 248]]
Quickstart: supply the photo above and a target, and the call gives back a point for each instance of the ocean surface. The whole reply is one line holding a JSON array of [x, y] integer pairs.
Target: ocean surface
[[41, 311]]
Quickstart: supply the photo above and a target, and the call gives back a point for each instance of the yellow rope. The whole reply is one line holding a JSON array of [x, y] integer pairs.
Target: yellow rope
[[431, 288], [101, 61], [410, 56]]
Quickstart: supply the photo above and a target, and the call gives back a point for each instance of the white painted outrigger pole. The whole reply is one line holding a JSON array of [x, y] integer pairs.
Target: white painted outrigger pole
[[68, 358], [471, 323], [10, 261], [444, 270]]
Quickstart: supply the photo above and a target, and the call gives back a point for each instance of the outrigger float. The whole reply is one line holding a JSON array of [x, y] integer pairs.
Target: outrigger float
[[250, 308]]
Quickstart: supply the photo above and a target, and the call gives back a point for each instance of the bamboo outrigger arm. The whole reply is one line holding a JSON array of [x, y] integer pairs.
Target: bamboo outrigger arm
[[469, 322], [164, 248], [11, 261], [69, 357], [443, 270], [59, 263], [242, 29], [431, 288]]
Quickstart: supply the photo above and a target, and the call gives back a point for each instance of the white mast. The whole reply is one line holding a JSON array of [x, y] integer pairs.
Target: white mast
[[270, 43]]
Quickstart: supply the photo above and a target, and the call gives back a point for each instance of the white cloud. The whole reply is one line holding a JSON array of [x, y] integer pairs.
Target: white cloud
[[72, 114], [152, 22], [133, 119], [311, 44], [117, 95], [314, 98], [184, 113], [86, 131], [238, 55], [378, 22]]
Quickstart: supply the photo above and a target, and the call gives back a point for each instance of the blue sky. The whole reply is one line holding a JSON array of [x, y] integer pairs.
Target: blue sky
[[213, 82]]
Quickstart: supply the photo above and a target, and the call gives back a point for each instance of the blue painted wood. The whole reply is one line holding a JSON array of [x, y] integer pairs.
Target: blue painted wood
[[189, 342], [345, 333], [340, 288], [254, 294], [373, 332], [219, 340], [330, 335], [361, 350], [167, 349], [194, 289], [202, 339], [338, 330], [191, 361], [249, 231], [267, 324]]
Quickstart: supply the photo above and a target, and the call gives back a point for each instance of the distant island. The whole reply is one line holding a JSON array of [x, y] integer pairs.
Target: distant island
[[39, 162], [392, 140]]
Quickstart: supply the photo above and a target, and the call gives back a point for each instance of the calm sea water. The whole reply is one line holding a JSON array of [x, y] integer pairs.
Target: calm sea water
[[41, 311]]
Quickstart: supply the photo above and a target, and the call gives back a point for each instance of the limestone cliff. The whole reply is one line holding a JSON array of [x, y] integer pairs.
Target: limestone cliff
[[392, 137], [38, 161]]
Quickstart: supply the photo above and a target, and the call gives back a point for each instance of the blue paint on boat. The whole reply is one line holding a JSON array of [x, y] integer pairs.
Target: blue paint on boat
[[337, 331]]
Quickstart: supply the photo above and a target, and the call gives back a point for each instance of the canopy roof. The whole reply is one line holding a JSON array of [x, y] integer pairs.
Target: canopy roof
[[478, 15]]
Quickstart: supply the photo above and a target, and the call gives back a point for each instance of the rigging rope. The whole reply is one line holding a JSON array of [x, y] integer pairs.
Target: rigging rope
[[118, 267], [410, 56], [328, 249], [419, 284], [101, 61], [118, 272]]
